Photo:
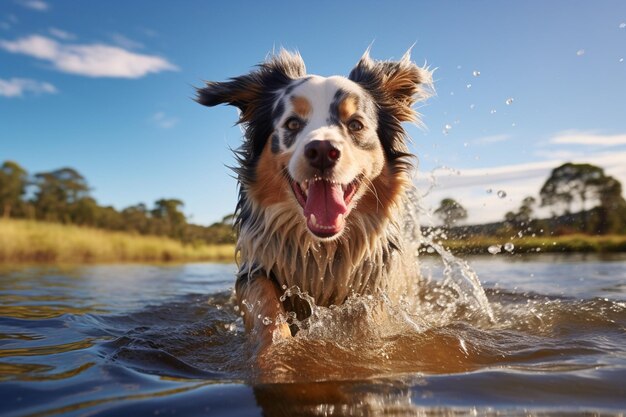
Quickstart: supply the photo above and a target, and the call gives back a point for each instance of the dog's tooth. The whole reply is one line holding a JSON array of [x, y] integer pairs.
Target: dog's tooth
[[313, 220], [340, 218]]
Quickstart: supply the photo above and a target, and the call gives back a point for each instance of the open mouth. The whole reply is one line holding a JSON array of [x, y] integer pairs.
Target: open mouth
[[325, 204]]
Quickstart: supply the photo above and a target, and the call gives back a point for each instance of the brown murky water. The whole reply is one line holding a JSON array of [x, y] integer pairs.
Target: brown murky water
[[165, 340]]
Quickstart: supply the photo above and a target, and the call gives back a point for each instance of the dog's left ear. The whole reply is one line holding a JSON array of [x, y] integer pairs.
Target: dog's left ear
[[397, 85], [251, 92]]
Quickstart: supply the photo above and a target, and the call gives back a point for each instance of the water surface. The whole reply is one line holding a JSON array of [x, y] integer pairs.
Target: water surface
[[164, 340]]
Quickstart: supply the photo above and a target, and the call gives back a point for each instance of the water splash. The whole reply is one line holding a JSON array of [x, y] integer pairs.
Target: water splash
[[494, 249], [476, 73], [509, 101], [501, 194], [425, 301]]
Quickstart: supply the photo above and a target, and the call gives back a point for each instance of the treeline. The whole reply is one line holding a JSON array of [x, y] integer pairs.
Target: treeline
[[581, 198], [63, 196]]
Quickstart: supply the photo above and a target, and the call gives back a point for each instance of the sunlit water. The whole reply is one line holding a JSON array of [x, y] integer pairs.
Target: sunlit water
[[163, 340]]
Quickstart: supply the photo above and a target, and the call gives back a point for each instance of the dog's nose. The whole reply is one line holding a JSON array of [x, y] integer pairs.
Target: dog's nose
[[321, 154]]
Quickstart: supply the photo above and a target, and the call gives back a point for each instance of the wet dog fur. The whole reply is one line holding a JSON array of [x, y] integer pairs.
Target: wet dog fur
[[323, 173]]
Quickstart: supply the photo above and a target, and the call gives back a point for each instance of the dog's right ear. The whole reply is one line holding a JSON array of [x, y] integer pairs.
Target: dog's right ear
[[250, 92]]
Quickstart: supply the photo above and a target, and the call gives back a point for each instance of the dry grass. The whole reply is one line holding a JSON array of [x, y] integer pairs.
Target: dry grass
[[32, 241], [552, 244]]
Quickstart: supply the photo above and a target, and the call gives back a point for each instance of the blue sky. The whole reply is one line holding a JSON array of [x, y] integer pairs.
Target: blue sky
[[106, 87]]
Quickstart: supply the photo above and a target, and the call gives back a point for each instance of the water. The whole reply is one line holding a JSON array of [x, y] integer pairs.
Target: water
[[131, 340]]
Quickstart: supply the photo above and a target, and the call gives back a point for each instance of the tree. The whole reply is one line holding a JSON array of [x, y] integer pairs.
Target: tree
[[174, 221], [13, 182], [611, 213], [450, 212], [137, 218], [57, 191], [523, 216], [569, 183]]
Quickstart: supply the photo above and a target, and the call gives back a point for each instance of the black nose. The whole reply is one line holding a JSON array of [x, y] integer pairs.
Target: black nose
[[321, 154]]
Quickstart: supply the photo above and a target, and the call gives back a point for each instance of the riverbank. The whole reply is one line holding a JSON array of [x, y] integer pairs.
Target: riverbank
[[23, 241], [540, 244]]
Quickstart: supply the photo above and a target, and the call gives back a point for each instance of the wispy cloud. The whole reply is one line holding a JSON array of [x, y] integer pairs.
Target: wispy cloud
[[160, 119], [588, 138], [61, 34], [125, 42], [39, 5], [487, 140], [17, 87], [477, 189], [91, 60]]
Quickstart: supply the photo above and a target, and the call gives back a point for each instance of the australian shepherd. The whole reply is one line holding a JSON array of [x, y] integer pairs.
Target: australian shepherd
[[323, 173]]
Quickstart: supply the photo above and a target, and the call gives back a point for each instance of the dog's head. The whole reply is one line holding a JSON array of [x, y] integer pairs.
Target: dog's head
[[332, 146]]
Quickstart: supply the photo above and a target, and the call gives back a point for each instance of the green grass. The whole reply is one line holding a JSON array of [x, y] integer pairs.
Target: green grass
[[23, 241], [541, 244]]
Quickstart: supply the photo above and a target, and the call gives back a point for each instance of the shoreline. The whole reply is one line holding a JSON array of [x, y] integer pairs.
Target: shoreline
[[35, 242]]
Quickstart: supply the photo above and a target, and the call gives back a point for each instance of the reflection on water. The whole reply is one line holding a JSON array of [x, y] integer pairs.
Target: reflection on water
[[135, 340]]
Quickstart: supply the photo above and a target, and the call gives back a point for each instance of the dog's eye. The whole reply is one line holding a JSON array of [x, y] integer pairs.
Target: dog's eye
[[355, 126], [293, 124]]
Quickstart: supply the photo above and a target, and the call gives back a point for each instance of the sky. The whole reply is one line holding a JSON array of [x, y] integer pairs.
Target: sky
[[106, 87]]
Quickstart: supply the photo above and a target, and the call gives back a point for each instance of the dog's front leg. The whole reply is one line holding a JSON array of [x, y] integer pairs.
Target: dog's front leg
[[259, 300]]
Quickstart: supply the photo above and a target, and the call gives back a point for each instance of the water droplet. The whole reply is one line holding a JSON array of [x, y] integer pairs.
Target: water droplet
[[430, 249], [458, 67], [580, 52], [465, 144], [489, 191], [469, 86], [451, 93], [494, 249], [267, 321], [508, 246], [501, 193], [622, 25], [621, 60], [493, 111], [446, 129], [476, 73], [509, 101], [284, 287], [472, 106], [513, 124]]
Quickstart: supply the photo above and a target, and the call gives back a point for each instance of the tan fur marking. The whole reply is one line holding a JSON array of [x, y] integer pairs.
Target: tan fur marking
[[386, 190], [347, 108], [301, 106], [270, 186]]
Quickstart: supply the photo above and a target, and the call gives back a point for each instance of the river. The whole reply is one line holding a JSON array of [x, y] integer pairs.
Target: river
[[130, 340]]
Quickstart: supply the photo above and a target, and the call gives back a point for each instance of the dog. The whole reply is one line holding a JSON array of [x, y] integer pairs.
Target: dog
[[323, 175]]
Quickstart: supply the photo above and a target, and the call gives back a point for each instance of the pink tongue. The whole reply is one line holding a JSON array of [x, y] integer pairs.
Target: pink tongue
[[325, 201]]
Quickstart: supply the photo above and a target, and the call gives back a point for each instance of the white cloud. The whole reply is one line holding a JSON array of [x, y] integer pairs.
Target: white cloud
[[470, 187], [93, 60], [39, 5], [17, 87], [164, 121], [61, 34], [574, 137], [125, 42]]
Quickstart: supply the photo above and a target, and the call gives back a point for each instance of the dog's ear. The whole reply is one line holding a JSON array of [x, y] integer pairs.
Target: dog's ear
[[397, 85], [250, 92]]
